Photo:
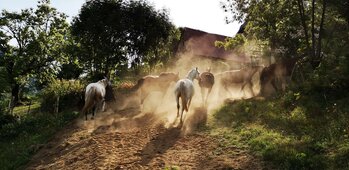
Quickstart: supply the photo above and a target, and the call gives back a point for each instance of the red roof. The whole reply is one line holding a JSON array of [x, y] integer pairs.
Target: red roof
[[201, 43]]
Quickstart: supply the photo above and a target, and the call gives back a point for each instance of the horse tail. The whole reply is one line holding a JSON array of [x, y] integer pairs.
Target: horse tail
[[184, 96], [263, 75], [89, 100], [140, 82]]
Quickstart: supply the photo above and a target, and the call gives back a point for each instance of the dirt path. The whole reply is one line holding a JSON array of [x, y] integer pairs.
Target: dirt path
[[141, 141]]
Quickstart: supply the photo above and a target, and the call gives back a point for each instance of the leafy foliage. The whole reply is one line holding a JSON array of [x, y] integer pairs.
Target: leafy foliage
[[70, 95], [38, 37], [19, 140], [115, 33], [304, 128], [294, 28]]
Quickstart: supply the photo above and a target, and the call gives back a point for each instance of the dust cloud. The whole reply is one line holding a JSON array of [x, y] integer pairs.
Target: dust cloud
[[160, 107]]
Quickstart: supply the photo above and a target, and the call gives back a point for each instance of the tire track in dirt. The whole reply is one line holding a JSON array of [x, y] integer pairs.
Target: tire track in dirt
[[139, 141]]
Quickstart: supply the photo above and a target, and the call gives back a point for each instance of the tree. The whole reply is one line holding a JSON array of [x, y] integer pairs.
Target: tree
[[292, 27], [163, 53], [113, 33], [37, 37]]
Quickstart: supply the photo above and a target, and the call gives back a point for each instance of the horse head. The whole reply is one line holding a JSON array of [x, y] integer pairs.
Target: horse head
[[208, 69], [194, 74], [105, 82]]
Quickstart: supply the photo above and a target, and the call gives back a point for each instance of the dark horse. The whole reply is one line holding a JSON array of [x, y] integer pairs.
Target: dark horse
[[151, 83], [241, 77], [206, 80], [276, 74]]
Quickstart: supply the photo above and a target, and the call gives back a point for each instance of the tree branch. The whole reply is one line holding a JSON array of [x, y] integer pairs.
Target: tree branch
[[321, 29], [304, 25], [313, 30]]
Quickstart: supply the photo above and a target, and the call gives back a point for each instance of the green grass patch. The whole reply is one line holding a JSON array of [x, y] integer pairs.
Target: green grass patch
[[172, 167], [289, 131], [23, 110], [20, 140]]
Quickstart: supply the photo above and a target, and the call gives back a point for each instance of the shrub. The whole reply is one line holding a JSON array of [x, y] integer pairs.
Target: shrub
[[21, 139], [7, 119], [4, 100], [70, 95]]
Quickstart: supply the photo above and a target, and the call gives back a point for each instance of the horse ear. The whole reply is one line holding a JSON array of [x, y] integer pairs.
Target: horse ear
[[196, 68]]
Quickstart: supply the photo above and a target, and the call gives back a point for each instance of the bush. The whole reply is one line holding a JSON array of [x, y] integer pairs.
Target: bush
[[21, 139], [70, 95], [7, 119], [4, 101], [296, 130]]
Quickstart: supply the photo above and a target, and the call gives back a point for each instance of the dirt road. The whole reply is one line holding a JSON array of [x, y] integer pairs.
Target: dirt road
[[135, 141]]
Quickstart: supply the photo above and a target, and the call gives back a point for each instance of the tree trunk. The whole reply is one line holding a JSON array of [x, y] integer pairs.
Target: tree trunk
[[15, 94], [313, 51], [56, 109], [14, 97], [304, 25], [321, 30]]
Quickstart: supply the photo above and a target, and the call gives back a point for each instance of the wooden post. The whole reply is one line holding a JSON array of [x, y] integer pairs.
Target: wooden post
[[11, 105], [30, 103], [57, 105]]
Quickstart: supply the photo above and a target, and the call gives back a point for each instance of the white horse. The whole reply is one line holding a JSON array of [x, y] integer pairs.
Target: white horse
[[94, 96], [184, 89]]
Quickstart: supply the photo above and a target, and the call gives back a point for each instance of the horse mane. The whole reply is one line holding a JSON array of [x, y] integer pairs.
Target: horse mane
[[103, 82]]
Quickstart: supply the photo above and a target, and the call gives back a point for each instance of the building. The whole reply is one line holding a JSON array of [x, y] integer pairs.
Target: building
[[199, 44]]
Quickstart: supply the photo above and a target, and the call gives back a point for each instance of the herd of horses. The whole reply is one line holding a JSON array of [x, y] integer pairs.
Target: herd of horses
[[274, 75]]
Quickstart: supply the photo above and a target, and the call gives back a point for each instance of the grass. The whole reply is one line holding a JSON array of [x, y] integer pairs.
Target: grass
[[172, 167], [23, 110], [291, 131], [20, 140]]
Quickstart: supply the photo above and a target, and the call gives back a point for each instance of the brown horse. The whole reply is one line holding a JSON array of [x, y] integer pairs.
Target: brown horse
[[277, 74], [152, 83], [206, 80], [241, 77]]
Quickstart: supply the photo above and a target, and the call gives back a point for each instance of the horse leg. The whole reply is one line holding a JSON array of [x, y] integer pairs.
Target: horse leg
[[181, 121], [142, 98], [188, 104], [184, 107], [242, 90], [203, 95], [251, 88], [94, 109], [208, 93], [227, 90], [273, 83], [283, 83], [144, 95], [103, 105], [96, 106], [85, 110], [177, 100]]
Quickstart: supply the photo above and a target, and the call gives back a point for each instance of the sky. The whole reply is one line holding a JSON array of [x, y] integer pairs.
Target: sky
[[205, 15]]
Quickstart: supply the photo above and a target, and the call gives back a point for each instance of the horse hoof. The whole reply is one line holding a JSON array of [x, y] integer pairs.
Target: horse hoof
[[180, 124]]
